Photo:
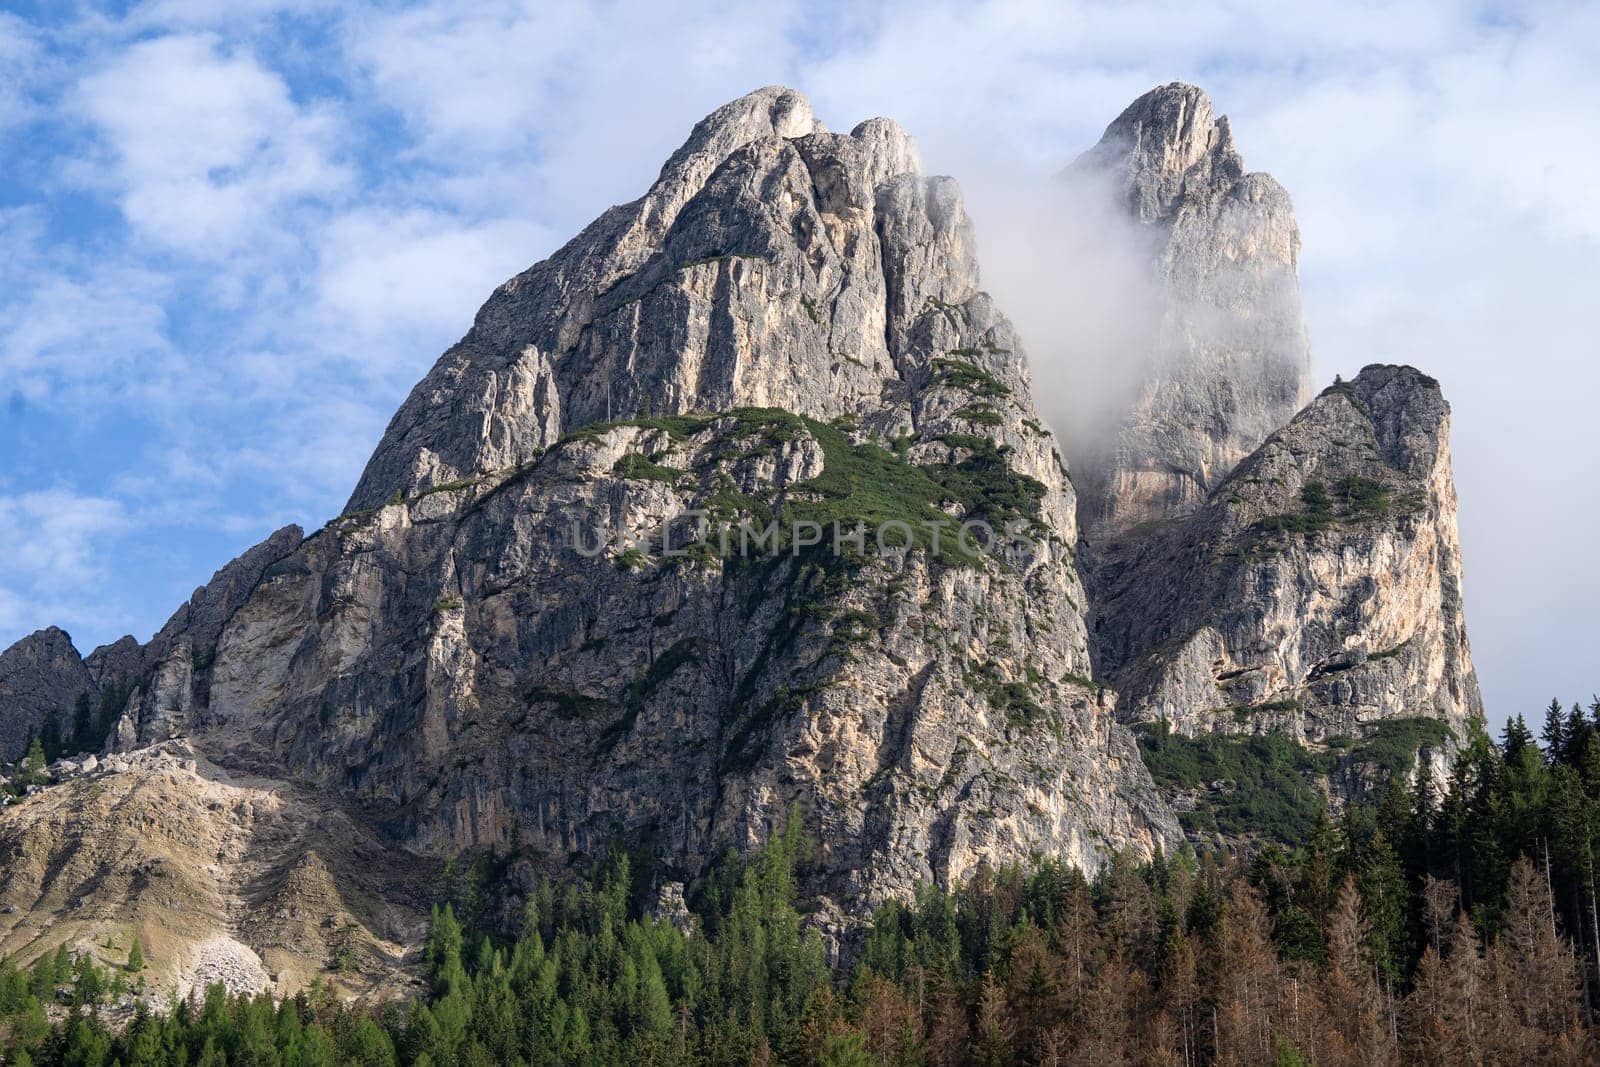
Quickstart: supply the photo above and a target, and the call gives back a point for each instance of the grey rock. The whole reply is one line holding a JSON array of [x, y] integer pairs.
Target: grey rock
[[790, 322], [671, 907], [1228, 361], [41, 679], [1257, 614]]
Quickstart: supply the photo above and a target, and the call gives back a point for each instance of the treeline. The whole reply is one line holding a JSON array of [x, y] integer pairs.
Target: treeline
[[1444, 922]]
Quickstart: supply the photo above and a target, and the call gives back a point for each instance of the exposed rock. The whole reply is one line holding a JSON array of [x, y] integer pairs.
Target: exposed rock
[[41, 678], [201, 866], [671, 907], [1228, 362], [122, 659], [1317, 591]]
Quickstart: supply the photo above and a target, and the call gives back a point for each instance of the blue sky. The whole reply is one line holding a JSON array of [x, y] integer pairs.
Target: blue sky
[[233, 235]]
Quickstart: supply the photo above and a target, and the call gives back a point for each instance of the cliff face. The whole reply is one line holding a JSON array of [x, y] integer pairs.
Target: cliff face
[[1228, 362], [771, 264], [787, 328], [1317, 591], [41, 679]]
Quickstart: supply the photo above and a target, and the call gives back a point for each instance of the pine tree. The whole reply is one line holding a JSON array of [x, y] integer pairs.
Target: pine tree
[[995, 1032], [1382, 882], [136, 957], [1356, 1028], [1515, 737], [82, 739], [1575, 736], [1542, 969], [33, 762], [1554, 734]]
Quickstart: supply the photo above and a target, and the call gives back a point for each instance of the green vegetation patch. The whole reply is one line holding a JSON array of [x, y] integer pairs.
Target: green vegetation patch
[[638, 468], [569, 705], [1267, 779], [979, 415], [1015, 698], [1394, 743], [1266, 788], [958, 372], [1352, 499], [1242, 712]]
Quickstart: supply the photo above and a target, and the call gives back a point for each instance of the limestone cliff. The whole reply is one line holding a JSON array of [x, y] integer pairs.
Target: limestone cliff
[[1227, 361], [1317, 591], [600, 583]]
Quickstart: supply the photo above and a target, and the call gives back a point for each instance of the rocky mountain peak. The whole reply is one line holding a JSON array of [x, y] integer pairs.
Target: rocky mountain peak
[[1164, 145], [541, 629], [787, 328], [1227, 361], [41, 678], [753, 272], [1316, 591]]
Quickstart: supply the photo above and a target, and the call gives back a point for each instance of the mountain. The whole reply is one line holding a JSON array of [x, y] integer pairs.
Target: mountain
[[630, 569], [1227, 361], [1324, 572]]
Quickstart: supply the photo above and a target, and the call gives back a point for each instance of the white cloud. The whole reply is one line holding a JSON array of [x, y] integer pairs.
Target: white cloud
[[78, 332], [51, 533], [554, 112], [206, 145], [403, 276]]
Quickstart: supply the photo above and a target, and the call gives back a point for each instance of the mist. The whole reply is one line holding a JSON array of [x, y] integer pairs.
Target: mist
[[1077, 276]]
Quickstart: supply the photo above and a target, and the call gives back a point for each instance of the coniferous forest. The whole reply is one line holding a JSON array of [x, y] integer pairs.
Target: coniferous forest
[[1438, 922]]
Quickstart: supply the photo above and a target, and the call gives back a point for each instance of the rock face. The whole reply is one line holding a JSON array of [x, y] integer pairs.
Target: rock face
[[41, 678], [772, 263], [786, 333], [173, 669], [1228, 362], [1317, 591]]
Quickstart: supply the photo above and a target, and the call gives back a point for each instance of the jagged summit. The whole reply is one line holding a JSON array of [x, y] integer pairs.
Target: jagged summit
[[40, 679], [1165, 144], [743, 276], [787, 326], [1228, 361]]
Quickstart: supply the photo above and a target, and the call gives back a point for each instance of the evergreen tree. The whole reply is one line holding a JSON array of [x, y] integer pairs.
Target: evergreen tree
[[1554, 734], [33, 762]]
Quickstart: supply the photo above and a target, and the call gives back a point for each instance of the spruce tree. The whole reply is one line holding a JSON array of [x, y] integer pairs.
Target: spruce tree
[[1554, 734]]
